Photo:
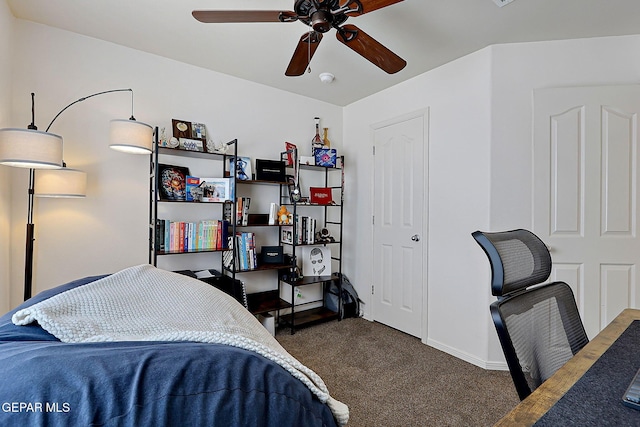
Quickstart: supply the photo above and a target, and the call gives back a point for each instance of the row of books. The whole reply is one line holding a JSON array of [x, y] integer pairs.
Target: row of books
[[305, 232], [246, 255], [182, 236]]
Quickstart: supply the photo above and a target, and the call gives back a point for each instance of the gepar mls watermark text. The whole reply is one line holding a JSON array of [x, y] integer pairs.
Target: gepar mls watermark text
[[27, 407]]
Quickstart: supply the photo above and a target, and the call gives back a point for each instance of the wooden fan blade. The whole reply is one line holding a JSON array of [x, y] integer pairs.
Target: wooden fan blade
[[365, 6], [304, 52], [370, 49], [222, 16]]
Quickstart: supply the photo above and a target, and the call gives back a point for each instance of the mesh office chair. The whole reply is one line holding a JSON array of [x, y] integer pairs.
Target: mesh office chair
[[539, 326]]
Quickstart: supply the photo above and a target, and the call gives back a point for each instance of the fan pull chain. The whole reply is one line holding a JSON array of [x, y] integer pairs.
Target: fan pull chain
[[309, 50]]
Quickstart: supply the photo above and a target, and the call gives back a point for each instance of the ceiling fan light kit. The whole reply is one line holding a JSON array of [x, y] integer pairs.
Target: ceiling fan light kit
[[320, 16]]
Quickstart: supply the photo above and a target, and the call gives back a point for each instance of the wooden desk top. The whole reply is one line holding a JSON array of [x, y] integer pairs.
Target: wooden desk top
[[545, 396]]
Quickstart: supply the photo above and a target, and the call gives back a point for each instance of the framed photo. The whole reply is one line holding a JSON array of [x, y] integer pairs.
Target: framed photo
[[216, 189], [286, 235], [199, 131], [172, 182], [242, 168], [191, 144], [316, 261]]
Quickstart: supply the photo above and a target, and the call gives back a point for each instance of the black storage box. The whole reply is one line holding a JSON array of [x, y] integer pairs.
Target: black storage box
[[272, 255], [226, 284], [270, 170]]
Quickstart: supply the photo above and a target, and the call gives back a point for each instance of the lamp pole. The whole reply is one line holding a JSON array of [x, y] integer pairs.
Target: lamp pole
[[28, 258]]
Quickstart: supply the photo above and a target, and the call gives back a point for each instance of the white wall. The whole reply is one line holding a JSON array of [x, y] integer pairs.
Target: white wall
[[6, 38], [458, 96], [107, 231]]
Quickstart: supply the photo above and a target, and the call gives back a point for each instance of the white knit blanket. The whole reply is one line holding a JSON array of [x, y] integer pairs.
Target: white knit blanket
[[144, 303]]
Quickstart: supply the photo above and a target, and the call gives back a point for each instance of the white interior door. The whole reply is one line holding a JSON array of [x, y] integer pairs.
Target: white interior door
[[586, 194], [399, 213]]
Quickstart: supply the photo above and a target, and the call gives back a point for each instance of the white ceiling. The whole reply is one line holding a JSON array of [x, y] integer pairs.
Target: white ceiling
[[426, 33]]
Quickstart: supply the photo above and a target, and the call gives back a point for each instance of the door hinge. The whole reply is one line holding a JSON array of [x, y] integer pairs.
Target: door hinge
[[372, 289], [374, 150], [373, 220]]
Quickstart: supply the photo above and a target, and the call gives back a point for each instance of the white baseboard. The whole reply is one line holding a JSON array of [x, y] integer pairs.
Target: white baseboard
[[484, 364]]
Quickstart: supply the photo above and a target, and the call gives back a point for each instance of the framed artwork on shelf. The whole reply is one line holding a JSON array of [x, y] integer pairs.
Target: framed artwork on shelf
[[199, 131], [191, 144], [216, 189], [316, 261], [190, 136], [181, 128], [286, 235], [172, 182], [242, 168]]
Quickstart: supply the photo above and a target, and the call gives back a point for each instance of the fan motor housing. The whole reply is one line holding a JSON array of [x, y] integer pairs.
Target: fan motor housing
[[319, 18], [321, 21]]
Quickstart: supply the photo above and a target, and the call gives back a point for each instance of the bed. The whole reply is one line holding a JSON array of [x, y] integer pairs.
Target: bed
[[146, 347]]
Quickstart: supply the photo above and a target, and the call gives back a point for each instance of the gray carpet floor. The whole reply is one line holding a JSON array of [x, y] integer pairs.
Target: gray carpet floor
[[388, 378]]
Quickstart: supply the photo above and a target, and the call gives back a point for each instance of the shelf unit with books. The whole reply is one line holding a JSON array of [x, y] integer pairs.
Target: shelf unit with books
[[170, 235], [314, 245], [262, 232]]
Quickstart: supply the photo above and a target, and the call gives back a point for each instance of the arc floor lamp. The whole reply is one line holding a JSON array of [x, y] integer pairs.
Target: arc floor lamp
[[34, 149]]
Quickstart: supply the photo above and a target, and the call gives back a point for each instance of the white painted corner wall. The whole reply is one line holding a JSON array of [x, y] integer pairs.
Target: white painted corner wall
[[458, 97], [480, 168]]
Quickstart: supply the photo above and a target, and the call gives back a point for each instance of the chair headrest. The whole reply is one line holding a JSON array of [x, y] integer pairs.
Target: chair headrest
[[518, 259]]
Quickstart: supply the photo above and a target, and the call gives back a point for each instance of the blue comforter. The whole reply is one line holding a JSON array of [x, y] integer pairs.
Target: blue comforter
[[46, 382]]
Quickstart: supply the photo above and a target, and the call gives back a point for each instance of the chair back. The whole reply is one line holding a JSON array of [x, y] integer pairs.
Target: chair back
[[518, 259], [538, 325]]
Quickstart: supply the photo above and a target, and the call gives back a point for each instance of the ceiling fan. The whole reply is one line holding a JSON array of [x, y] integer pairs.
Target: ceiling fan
[[320, 16]]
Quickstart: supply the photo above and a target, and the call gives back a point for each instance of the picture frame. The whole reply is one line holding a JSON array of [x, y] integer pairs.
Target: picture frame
[[199, 131], [190, 132], [189, 144], [316, 261], [242, 168], [181, 128], [286, 234], [172, 182], [216, 189]]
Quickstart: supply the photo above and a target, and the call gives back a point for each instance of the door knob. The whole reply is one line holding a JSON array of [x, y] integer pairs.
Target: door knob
[[415, 238]]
